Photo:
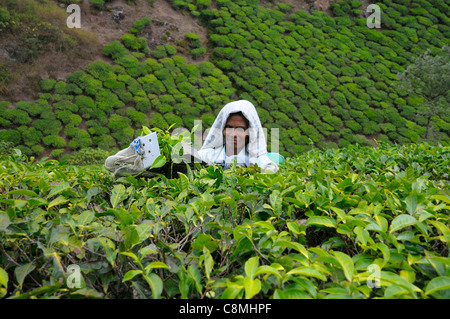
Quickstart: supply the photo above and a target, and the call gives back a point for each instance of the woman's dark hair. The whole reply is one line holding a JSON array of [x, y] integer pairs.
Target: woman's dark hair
[[243, 116]]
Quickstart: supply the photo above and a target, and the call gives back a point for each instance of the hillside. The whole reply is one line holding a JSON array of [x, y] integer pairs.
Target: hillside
[[358, 210], [323, 78]]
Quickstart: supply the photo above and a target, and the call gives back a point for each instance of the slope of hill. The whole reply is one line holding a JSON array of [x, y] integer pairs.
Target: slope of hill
[[323, 80]]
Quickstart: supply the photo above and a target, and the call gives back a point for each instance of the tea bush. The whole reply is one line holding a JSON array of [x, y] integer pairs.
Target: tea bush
[[355, 222], [316, 69]]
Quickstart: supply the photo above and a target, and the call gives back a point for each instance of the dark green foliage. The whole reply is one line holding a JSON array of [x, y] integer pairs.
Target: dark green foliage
[[11, 136], [322, 79], [30, 135], [54, 141], [47, 85], [100, 70], [139, 25], [193, 40], [17, 116], [48, 126], [134, 43], [115, 49]]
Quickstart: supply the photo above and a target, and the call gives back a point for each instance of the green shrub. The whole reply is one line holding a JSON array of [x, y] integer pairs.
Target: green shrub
[[98, 4], [138, 118], [159, 52], [54, 141], [124, 136], [107, 101], [135, 43], [86, 106], [6, 19], [30, 135], [37, 150], [32, 108], [115, 49], [193, 40], [101, 70], [6, 147], [56, 153], [105, 142], [158, 121], [170, 49], [117, 122], [197, 53], [353, 125], [139, 25], [12, 136], [88, 156], [173, 119], [61, 88], [80, 138], [86, 82], [47, 85], [17, 116], [65, 105], [207, 120]]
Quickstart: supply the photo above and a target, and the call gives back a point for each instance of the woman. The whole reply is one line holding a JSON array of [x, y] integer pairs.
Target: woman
[[237, 135]]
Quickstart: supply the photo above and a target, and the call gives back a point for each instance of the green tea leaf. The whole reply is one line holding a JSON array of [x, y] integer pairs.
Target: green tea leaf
[[322, 221], [308, 272], [276, 201], [411, 204], [117, 195], [131, 274], [131, 237], [346, 263], [3, 277], [25, 192], [156, 264], [401, 221], [58, 189], [194, 274], [251, 266], [297, 246], [22, 271], [264, 269], [3, 282], [144, 230], [146, 130], [437, 284], [156, 285], [131, 255], [57, 201], [86, 217], [123, 216], [160, 161], [251, 287], [4, 221], [208, 261]]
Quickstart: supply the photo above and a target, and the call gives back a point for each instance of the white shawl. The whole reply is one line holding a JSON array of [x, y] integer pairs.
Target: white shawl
[[214, 149], [257, 142]]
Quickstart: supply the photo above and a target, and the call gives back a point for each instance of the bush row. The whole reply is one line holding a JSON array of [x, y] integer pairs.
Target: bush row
[[325, 81]]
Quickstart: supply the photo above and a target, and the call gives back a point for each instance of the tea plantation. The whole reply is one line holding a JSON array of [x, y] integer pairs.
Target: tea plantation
[[357, 222], [324, 81], [360, 209]]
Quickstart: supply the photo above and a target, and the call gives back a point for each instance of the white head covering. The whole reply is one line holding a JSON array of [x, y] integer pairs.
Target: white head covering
[[257, 142]]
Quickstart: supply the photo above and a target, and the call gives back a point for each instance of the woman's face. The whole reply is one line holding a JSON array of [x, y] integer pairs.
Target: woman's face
[[235, 134]]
